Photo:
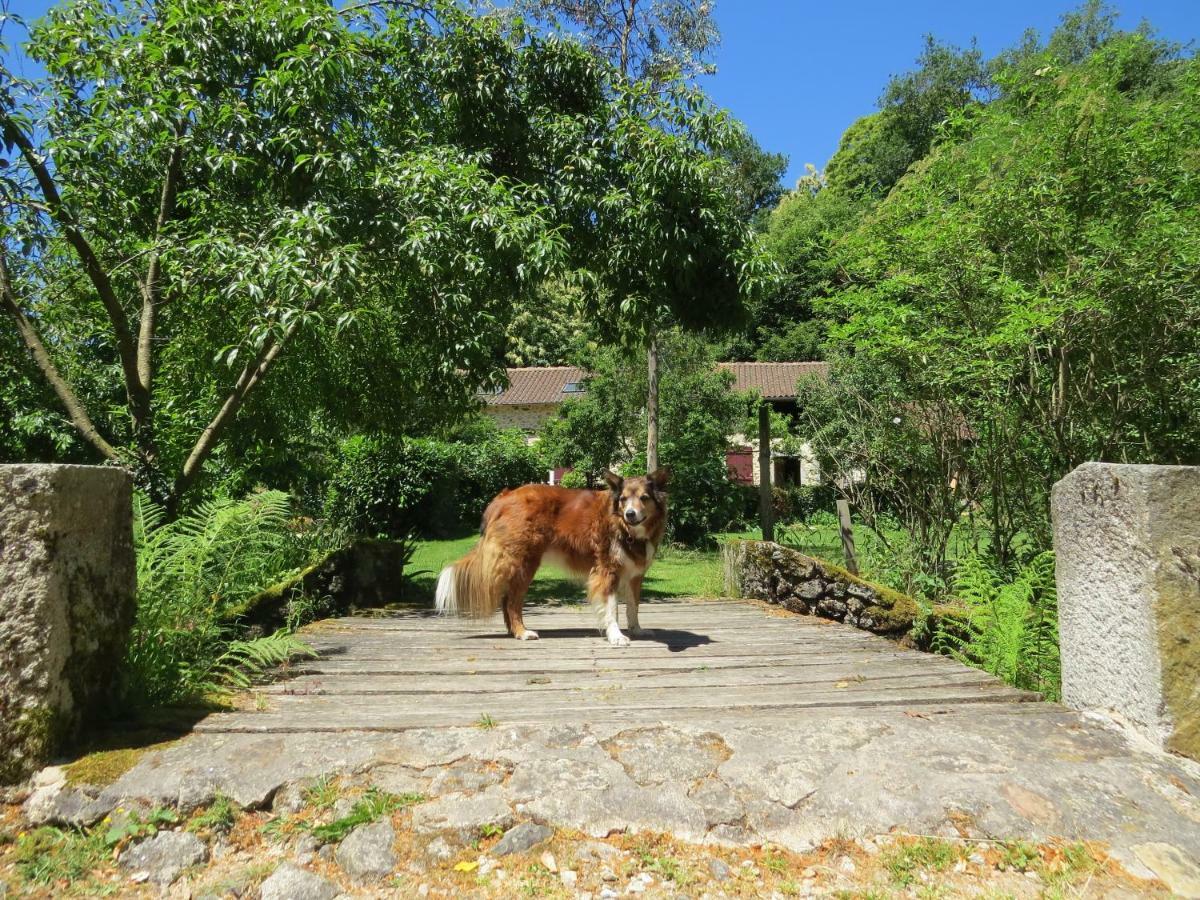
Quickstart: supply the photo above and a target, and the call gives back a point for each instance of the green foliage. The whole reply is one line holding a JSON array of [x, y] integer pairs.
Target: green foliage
[[264, 223], [133, 826], [372, 805], [218, 818], [574, 479], [192, 573], [1034, 282], [697, 412], [49, 855], [395, 487], [1010, 623], [905, 861]]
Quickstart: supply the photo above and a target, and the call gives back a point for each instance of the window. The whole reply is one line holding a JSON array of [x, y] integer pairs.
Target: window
[[574, 387]]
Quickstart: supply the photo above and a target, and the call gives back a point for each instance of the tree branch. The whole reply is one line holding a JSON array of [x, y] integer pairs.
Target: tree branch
[[75, 410], [150, 286], [252, 374], [91, 262]]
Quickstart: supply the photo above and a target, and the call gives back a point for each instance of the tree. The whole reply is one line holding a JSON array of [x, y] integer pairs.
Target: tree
[[223, 215], [606, 427], [755, 176], [1038, 276], [877, 149], [657, 40], [660, 42]]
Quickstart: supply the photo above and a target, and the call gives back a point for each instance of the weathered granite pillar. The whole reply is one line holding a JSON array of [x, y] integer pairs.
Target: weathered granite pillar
[[67, 580], [1127, 540]]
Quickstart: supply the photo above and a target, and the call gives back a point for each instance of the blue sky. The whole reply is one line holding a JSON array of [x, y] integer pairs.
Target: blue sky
[[799, 73]]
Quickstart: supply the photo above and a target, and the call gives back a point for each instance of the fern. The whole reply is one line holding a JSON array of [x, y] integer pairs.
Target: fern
[[192, 573], [1010, 623]]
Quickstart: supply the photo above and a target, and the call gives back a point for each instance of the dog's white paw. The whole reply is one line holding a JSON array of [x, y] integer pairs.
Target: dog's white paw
[[616, 638], [528, 635]]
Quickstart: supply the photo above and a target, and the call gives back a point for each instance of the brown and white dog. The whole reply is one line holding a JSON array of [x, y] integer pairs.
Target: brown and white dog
[[610, 537]]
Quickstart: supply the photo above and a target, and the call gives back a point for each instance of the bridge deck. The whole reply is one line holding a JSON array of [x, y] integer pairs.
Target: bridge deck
[[700, 660]]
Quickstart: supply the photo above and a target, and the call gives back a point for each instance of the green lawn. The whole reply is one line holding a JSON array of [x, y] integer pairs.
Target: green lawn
[[677, 572]]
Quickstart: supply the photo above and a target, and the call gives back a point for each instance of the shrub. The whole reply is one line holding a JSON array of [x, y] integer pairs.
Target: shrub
[[192, 573], [396, 487], [1010, 623], [574, 479]]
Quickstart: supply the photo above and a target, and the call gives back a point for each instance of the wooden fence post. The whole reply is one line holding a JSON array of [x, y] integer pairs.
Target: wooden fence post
[[847, 530], [766, 515]]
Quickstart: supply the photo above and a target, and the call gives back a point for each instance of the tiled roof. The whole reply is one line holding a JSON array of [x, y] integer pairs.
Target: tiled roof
[[773, 380], [544, 384], [537, 385]]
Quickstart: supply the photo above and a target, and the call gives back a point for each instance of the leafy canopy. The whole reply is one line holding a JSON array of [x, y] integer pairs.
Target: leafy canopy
[[325, 216]]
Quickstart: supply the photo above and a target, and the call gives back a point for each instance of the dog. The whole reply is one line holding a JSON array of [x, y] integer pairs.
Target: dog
[[608, 536]]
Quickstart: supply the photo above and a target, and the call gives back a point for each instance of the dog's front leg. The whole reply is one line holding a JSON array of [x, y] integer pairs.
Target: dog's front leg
[[612, 630], [631, 606]]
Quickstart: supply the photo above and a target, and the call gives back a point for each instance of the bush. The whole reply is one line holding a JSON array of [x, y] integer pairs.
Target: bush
[[794, 503], [392, 488], [574, 479], [192, 573], [1010, 622]]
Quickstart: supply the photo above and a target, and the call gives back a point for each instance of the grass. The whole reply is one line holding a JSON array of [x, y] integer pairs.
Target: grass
[[50, 855], [906, 860], [372, 805], [219, 817]]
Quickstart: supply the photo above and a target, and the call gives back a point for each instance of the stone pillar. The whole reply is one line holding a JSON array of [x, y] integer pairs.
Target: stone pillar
[[67, 582], [1127, 540]]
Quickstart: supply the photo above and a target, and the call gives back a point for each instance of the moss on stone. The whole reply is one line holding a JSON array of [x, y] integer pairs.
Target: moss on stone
[[30, 741], [891, 612], [1177, 619], [103, 767]]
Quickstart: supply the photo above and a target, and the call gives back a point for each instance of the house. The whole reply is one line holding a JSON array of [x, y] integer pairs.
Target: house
[[534, 394]]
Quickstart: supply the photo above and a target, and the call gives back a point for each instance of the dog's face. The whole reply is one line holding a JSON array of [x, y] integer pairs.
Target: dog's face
[[637, 500]]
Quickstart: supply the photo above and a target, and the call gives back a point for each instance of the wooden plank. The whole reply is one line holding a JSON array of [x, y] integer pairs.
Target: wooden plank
[[614, 692], [305, 719], [477, 685]]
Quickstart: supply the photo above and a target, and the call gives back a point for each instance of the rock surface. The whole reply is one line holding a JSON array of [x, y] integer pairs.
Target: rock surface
[[367, 851], [165, 856], [521, 837], [290, 882], [67, 579], [1127, 542]]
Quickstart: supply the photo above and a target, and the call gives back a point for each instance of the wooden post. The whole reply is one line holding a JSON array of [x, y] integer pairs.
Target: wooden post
[[766, 515], [847, 530]]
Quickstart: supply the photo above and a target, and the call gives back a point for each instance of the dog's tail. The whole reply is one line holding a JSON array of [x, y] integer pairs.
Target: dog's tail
[[473, 586]]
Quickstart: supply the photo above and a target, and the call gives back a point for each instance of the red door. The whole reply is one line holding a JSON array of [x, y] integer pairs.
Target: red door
[[740, 462]]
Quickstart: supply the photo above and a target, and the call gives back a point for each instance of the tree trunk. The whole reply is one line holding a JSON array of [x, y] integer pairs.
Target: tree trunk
[[652, 406], [766, 515]]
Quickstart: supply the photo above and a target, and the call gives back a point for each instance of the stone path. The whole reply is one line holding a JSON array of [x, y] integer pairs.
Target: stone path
[[729, 723]]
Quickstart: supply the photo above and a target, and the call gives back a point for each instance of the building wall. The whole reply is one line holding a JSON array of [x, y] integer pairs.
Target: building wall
[[810, 471], [527, 418]]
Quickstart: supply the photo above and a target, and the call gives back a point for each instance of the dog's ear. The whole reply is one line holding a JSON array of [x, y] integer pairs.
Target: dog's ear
[[659, 477], [615, 481]]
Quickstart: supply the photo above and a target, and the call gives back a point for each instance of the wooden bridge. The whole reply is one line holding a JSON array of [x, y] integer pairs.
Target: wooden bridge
[[700, 659], [730, 721]]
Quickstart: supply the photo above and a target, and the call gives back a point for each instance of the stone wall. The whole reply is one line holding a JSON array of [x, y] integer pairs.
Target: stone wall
[[67, 586], [527, 418], [802, 584], [1127, 550]]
